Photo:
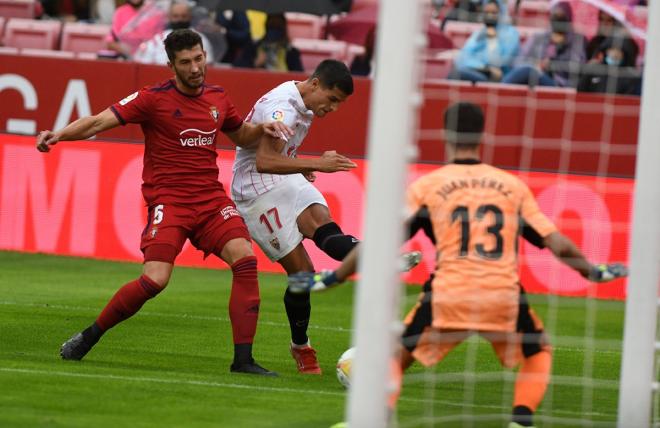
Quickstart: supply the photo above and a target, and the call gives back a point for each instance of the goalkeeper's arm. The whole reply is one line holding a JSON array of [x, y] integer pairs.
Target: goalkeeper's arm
[[566, 251]]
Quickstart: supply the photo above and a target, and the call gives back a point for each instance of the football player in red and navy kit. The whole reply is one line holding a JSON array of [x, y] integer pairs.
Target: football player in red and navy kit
[[181, 119]]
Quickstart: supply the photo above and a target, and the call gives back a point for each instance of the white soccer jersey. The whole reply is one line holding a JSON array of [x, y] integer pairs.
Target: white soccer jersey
[[283, 104]]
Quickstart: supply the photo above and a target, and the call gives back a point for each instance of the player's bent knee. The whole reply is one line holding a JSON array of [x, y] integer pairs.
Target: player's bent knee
[[236, 249], [158, 272]]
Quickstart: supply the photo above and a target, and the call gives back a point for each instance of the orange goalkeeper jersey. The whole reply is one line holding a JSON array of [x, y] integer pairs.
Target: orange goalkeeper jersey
[[477, 212]]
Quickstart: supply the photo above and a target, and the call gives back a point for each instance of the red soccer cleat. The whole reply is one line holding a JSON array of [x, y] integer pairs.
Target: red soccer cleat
[[305, 357]]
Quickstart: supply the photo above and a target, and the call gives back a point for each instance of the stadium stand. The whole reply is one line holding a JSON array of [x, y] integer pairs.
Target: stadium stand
[[533, 13], [29, 33], [438, 65], [6, 50], [47, 53], [79, 37], [304, 26], [352, 51], [17, 8], [313, 51], [459, 31]]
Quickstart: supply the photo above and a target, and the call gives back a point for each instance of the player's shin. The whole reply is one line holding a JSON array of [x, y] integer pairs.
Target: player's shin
[[127, 301], [244, 307], [531, 384], [298, 310], [331, 240]]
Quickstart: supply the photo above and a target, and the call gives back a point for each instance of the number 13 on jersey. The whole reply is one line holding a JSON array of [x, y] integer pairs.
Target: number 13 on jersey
[[462, 215]]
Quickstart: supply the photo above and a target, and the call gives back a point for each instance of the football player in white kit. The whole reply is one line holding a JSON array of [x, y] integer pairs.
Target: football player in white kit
[[272, 189]]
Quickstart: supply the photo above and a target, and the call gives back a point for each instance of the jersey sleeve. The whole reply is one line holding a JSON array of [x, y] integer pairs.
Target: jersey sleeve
[[532, 216], [135, 108], [233, 120], [277, 111], [415, 197]]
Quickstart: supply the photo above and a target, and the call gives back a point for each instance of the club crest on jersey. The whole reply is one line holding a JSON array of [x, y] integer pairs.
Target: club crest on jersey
[[153, 232], [214, 112], [128, 99], [275, 243], [278, 115]]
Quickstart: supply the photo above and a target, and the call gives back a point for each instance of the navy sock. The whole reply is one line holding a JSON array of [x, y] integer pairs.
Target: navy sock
[[522, 415], [298, 310]]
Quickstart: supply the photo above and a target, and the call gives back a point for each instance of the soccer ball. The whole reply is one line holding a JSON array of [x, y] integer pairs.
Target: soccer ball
[[344, 367]]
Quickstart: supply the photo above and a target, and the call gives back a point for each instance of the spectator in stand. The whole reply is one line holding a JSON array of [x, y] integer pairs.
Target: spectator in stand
[[134, 23], [237, 33], [274, 51], [608, 26], [461, 10], [363, 65], [552, 58], [488, 53], [180, 16], [616, 72]]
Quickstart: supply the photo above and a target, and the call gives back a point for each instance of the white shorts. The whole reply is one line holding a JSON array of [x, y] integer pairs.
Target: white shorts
[[272, 217]]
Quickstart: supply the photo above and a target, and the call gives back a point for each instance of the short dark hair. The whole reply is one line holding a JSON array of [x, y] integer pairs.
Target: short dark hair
[[464, 124], [334, 74], [179, 40]]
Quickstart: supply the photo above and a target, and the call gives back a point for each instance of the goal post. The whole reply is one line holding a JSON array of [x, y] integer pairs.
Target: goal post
[[394, 101], [639, 342]]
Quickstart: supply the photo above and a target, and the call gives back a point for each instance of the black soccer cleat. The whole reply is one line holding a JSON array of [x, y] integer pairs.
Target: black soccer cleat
[[75, 348], [251, 367]]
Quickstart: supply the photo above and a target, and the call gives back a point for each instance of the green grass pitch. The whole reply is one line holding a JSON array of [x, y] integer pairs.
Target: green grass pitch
[[169, 364]]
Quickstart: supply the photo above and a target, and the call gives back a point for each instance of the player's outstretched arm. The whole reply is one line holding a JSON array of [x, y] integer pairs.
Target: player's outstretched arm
[[249, 134], [80, 129], [310, 281], [566, 251], [271, 160]]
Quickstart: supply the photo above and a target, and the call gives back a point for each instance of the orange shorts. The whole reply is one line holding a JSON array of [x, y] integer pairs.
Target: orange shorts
[[209, 227], [430, 345]]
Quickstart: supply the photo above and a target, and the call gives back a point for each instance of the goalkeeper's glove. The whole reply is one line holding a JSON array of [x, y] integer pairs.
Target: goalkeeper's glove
[[607, 272], [302, 282]]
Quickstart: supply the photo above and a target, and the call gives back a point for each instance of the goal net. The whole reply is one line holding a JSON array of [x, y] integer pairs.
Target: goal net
[[579, 144]]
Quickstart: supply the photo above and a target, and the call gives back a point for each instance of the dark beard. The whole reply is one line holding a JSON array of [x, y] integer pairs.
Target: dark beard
[[187, 84]]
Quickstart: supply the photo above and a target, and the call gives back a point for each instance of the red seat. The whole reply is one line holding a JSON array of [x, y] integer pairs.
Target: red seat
[[533, 13], [303, 26], [78, 37], [47, 53], [29, 33], [314, 51], [17, 8], [439, 65], [5, 50], [459, 31], [352, 51]]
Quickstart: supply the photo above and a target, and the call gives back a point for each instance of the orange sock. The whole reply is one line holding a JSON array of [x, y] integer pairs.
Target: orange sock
[[532, 380]]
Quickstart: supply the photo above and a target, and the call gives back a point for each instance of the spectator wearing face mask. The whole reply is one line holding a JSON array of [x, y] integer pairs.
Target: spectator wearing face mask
[[488, 53], [615, 73], [133, 23], [552, 58], [152, 51], [608, 27], [274, 51]]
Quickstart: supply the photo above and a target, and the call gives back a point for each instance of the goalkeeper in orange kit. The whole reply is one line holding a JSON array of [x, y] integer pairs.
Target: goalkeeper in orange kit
[[475, 214]]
